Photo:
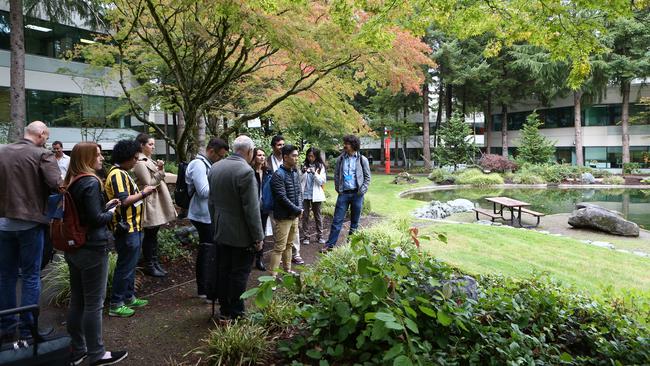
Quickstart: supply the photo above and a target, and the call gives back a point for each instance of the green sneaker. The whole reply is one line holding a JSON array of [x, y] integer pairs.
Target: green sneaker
[[137, 303], [121, 311]]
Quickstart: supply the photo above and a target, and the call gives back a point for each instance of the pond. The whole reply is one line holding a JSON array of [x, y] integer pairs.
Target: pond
[[634, 204]]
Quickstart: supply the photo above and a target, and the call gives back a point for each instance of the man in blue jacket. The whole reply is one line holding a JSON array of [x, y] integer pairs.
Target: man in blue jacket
[[351, 181]]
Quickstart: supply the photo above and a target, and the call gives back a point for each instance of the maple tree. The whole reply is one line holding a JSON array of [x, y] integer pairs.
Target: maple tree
[[239, 60]]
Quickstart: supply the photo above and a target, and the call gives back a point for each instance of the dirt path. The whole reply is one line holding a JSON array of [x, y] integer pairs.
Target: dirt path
[[175, 321]]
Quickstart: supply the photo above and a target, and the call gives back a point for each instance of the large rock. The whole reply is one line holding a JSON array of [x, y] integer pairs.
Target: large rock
[[587, 178], [461, 205], [595, 217], [440, 210], [587, 204]]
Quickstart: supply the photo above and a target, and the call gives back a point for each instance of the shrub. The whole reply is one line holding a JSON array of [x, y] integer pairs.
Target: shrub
[[171, 167], [614, 180], [238, 343], [508, 177], [496, 163], [631, 168], [170, 248], [436, 175], [599, 173], [527, 178], [278, 315], [476, 177], [381, 301], [534, 147], [327, 208], [57, 280], [645, 181]]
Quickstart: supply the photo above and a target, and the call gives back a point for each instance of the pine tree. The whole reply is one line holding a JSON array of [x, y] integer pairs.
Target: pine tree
[[456, 146], [534, 147]]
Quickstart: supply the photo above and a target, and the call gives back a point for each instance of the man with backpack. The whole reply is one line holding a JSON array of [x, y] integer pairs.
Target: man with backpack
[[198, 191], [287, 208], [28, 173], [273, 163]]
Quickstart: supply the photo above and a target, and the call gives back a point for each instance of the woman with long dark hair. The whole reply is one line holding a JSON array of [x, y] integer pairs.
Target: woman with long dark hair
[[88, 265], [261, 174], [312, 180], [158, 207]]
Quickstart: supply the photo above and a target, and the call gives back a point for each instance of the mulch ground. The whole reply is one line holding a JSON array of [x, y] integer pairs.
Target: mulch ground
[[173, 324]]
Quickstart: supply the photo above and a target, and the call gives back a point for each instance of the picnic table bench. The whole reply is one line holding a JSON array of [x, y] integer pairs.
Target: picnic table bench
[[487, 213], [509, 204]]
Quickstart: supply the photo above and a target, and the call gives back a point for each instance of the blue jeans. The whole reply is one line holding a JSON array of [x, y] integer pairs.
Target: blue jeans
[[128, 253], [345, 200], [20, 249]]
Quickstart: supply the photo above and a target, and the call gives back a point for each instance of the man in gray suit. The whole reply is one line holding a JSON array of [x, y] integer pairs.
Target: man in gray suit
[[235, 210]]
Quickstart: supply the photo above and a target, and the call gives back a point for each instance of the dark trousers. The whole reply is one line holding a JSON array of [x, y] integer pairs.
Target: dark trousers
[[206, 235], [233, 269], [150, 245], [315, 208], [343, 201], [88, 274], [128, 251], [20, 250]]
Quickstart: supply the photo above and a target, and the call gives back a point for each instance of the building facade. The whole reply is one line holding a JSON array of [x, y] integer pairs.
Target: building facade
[[601, 130]]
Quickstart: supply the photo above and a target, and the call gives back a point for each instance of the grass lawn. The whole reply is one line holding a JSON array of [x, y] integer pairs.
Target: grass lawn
[[482, 249], [511, 252]]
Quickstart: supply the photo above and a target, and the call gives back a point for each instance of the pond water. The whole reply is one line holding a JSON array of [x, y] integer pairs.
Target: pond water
[[634, 204]]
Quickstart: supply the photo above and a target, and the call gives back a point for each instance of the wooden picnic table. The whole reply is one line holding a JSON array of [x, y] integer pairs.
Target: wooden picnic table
[[509, 203]]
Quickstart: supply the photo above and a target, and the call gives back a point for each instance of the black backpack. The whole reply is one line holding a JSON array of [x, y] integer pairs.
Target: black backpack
[[182, 195]]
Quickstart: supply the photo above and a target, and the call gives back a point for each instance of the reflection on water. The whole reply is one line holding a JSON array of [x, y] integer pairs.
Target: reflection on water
[[634, 204]]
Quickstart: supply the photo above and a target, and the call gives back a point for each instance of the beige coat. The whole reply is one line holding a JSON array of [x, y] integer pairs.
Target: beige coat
[[158, 207]]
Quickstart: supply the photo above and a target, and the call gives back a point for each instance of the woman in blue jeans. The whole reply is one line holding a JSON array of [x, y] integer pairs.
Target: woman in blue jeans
[[89, 264]]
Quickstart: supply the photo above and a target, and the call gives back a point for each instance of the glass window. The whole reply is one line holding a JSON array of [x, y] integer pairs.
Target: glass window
[[565, 155], [640, 114], [565, 117], [516, 120], [614, 114], [44, 38], [641, 155], [597, 115], [615, 157], [5, 106], [497, 119], [596, 157]]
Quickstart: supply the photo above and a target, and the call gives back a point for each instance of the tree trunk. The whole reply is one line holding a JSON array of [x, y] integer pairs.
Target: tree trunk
[[487, 136], [438, 115], [448, 101], [201, 139], [382, 151], [426, 148], [396, 151], [577, 123], [166, 119], [17, 73], [625, 90], [504, 131]]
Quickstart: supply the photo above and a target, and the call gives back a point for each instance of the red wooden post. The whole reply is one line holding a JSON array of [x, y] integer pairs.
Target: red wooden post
[[387, 151]]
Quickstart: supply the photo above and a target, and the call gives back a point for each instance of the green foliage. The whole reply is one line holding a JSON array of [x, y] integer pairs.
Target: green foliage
[[171, 167], [170, 248], [238, 343], [381, 301], [525, 177], [599, 173], [278, 315], [476, 177], [455, 148], [614, 180], [440, 176], [327, 208], [631, 168], [645, 181], [534, 147], [57, 280]]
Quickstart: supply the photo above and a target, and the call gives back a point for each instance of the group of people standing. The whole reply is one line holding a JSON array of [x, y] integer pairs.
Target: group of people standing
[[226, 208]]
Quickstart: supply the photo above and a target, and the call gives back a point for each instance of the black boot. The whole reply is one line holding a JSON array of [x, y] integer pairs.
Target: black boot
[[150, 270], [259, 264]]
